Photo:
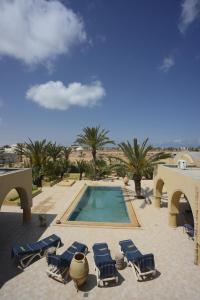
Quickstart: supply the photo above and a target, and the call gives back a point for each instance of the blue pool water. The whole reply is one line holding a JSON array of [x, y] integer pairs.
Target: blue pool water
[[101, 204]]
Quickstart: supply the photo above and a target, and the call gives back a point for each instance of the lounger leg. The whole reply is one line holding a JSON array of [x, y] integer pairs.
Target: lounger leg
[[58, 245], [154, 273], [66, 276], [135, 269], [57, 274], [98, 279], [32, 256], [138, 277], [98, 282]]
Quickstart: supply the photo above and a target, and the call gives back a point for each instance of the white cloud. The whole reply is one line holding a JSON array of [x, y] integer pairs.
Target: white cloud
[[168, 63], [55, 95], [190, 12], [36, 31]]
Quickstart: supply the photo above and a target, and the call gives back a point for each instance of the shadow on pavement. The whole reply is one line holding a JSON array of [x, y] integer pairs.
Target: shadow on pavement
[[13, 232]]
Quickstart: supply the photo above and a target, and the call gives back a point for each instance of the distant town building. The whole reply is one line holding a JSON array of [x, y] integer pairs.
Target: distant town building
[[7, 154]]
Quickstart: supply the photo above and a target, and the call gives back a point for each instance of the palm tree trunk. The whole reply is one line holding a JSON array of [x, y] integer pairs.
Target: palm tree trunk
[[40, 182], [94, 152], [138, 190], [61, 175], [81, 175]]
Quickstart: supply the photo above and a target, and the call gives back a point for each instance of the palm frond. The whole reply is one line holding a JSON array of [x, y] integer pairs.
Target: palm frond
[[138, 158]]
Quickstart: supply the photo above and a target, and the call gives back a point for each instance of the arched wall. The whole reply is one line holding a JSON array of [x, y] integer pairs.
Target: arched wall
[[174, 183], [179, 182], [21, 180], [175, 198], [159, 183], [23, 195], [174, 209], [159, 187]]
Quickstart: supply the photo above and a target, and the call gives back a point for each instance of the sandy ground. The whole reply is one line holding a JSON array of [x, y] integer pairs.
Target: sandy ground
[[177, 276]]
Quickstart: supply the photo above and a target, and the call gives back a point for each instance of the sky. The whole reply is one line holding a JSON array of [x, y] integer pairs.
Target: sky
[[132, 67]]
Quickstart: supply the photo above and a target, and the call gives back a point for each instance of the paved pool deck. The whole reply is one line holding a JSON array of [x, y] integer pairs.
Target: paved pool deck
[[177, 276]]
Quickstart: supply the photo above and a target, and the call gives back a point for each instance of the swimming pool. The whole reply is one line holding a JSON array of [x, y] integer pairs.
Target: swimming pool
[[101, 204]]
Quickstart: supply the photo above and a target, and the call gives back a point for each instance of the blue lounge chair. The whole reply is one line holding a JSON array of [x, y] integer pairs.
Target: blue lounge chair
[[58, 265], [105, 266], [26, 253], [189, 229], [144, 265]]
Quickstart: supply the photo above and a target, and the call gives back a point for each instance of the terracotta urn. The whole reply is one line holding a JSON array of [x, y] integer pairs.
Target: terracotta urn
[[79, 269], [126, 180]]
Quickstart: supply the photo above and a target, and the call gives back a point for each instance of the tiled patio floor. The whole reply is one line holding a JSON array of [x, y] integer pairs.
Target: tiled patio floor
[[178, 277]]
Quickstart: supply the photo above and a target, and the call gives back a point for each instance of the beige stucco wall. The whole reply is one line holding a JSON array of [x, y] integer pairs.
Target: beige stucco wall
[[178, 182], [21, 180]]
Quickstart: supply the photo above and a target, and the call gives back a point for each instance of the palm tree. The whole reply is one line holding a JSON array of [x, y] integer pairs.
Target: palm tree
[[37, 154], [66, 152], [55, 169], [82, 167], [94, 138], [63, 167], [138, 161], [103, 168], [54, 151], [19, 150]]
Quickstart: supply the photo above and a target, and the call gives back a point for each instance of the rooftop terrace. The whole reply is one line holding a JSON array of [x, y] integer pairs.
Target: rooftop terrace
[[190, 171]]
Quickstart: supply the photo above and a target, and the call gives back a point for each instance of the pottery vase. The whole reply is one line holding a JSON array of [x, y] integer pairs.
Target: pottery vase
[[126, 180], [79, 269]]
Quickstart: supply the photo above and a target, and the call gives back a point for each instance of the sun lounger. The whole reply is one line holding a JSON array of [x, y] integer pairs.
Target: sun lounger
[[58, 265], [26, 253], [143, 265], [189, 229], [105, 266]]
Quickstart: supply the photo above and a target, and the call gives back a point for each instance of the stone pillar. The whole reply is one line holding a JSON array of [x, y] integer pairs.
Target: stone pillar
[[172, 220], [26, 214], [157, 201]]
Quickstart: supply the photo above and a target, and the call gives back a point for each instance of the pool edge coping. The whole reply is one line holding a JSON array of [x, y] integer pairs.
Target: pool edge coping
[[76, 198]]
